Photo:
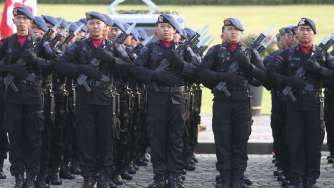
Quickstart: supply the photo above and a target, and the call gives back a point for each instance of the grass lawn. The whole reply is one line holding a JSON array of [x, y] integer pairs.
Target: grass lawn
[[254, 18]]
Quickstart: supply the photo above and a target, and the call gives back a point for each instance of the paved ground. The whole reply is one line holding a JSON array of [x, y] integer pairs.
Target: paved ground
[[259, 170]]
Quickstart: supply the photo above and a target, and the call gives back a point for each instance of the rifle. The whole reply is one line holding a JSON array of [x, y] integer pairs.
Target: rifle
[[115, 114], [121, 38], [50, 32], [72, 35], [9, 81], [82, 81], [221, 86], [59, 36]]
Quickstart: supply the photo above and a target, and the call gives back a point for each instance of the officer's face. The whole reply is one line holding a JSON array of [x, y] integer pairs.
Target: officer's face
[[305, 34], [128, 40], [165, 31], [289, 40], [96, 28], [23, 23], [38, 33], [232, 34], [113, 32], [177, 38]]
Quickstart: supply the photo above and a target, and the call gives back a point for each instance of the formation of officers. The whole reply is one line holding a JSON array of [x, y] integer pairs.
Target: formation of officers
[[89, 97]]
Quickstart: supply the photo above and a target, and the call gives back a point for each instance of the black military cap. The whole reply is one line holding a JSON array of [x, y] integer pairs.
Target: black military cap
[[234, 22], [167, 18], [96, 15], [287, 30], [50, 19], [309, 22], [40, 23], [23, 10], [109, 22], [118, 24]]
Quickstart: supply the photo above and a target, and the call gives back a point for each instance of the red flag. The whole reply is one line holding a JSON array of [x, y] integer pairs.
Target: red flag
[[7, 27]]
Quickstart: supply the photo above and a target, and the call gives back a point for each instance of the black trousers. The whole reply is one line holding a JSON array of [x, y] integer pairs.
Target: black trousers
[[46, 134], [57, 139], [166, 124], [231, 124], [94, 131], [304, 137], [3, 132], [329, 121], [70, 149], [278, 126], [24, 124]]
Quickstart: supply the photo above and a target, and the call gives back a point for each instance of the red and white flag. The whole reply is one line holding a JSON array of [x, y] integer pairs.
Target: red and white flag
[[7, 27]]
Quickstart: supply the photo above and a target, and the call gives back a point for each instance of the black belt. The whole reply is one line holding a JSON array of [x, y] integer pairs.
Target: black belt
[[312, 92], [98, 84], [29, 83], [174, 89]]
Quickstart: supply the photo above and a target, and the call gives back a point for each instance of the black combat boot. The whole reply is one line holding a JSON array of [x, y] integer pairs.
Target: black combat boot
[[54, 177], [225, 179], [294, 183], [131, 168], [30, 181], [175, 181], [237, 179], [19, 181], [89, 182], [65, 172], [112, 184], [159, 181], [118, 179], [103, 181], [2, 173], [190, 165], [125, 175], [330, 159], [75, 168], [42, 181], [309, 183]]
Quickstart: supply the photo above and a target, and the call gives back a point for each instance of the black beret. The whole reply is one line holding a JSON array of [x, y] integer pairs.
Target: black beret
[[96, 15], [23, 10], [234, 22], [50, 19], [40, 23], [309, 22], [167, 18]]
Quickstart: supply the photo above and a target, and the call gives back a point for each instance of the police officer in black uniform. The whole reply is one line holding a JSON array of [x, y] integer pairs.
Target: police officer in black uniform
[[285, 39], [228, 69], [304, 68], [3, 132], [329, 117], [24, 112], [165, 71], [93, 69]]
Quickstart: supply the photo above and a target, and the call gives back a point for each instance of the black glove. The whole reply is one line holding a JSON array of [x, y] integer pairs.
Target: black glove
[[31, 57], [90, 71], [294, 82], [231, 78], [175, 59], [243, 60], [104, 55], [17, 70], [121, 52], [165, 77], [312, 65]]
